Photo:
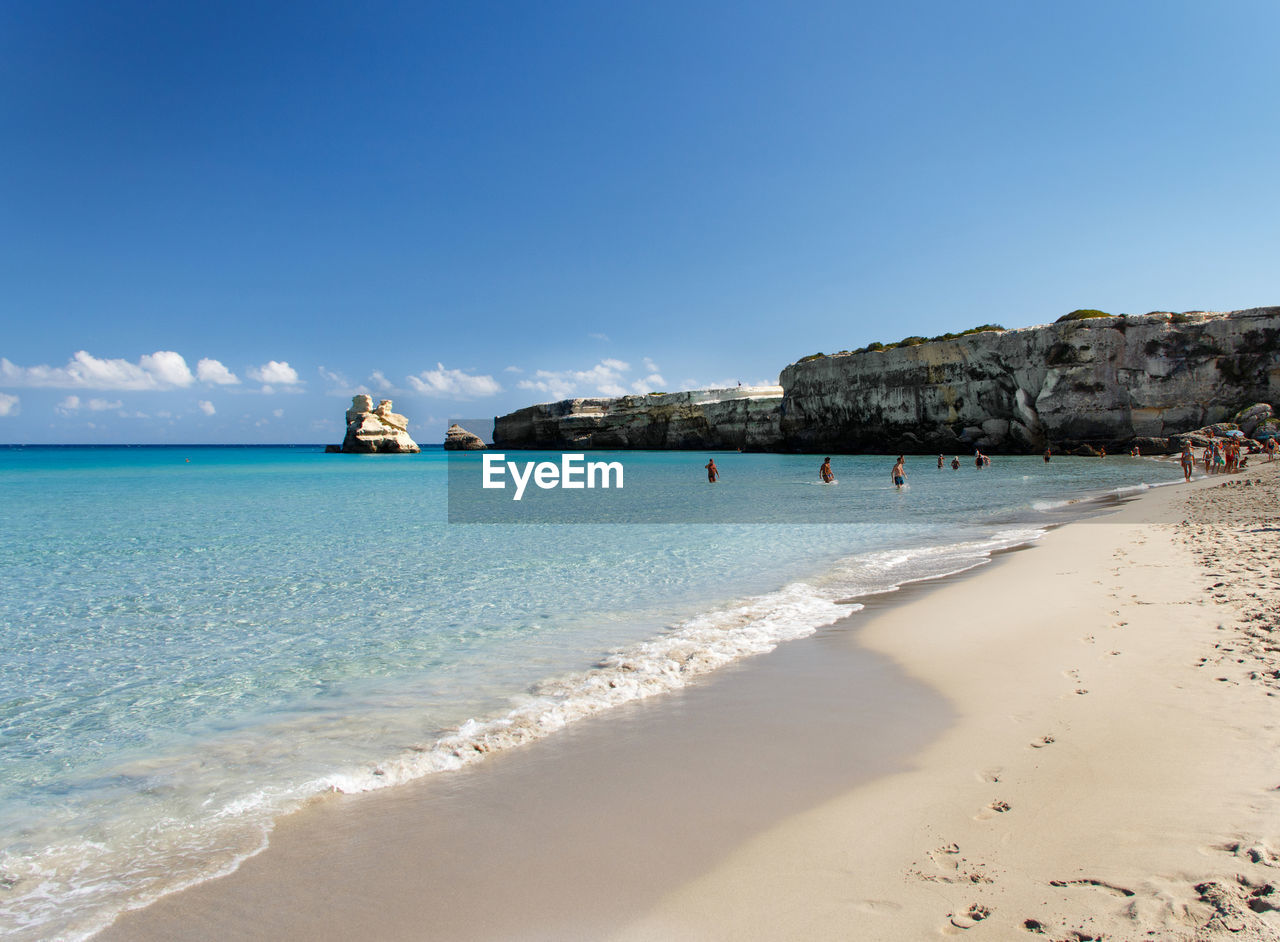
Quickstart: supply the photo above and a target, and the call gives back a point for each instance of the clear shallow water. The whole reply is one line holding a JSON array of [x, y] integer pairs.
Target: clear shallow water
[[197, 640]]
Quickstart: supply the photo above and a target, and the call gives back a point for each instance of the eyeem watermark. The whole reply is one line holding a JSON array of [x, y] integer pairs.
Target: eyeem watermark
[[572, 472]]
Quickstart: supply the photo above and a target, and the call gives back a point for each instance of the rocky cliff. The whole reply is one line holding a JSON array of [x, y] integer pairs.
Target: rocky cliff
[[1108, 380], [1104, 380], [379, 430], [742, 417]]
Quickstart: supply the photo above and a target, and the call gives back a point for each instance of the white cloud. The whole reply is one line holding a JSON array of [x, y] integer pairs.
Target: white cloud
[[206, 407], [512, 369], [604, 337], [212, 371], [380, 381], [720, 384], [68, 405], [604, 379], [651, 383], [168, 368], [8, 404], [277, 372], [453, 383], [278, 413], [103, 405], [339, 385], [163, 369]]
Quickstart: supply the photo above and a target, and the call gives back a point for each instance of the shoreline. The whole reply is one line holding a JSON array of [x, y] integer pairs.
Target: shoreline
[[188, 913], [1110, 774]]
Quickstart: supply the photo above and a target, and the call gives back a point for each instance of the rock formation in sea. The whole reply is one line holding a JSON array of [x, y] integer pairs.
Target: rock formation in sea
[[376, 431], [1099, 380], [458, 438]]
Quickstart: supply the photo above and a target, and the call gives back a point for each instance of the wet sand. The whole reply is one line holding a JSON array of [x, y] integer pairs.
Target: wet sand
[[572, 836], [1076, 741]]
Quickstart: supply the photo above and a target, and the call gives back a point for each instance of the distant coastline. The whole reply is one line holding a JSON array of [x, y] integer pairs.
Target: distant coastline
[[1089, 379]]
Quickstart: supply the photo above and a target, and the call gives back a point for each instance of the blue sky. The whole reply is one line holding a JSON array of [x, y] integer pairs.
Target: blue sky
[[219, 220]]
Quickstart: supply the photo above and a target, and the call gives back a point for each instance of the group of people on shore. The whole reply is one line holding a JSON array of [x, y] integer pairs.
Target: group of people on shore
[[1221, 456]]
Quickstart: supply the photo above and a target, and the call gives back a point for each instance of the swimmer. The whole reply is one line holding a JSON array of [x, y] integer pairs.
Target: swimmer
[[939, 462], [825, 472], [1048, 455], [899, 473], [713, 473], [955, 462]]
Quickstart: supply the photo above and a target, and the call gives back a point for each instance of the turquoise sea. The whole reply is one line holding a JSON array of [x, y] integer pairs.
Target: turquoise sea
[[198, 639]]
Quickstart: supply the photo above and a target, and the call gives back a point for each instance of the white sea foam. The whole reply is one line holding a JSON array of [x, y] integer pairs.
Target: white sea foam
[[673, 659], [664, 663], [47, 890], [141, 767]]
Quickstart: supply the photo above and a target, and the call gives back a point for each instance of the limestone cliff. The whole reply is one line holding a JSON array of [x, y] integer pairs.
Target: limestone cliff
[[379, 430], [1111, 381], [742, 417]]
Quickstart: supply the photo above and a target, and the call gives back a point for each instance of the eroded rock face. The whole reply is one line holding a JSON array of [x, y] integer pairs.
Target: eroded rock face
[[458, 438], [745, 417], [377, 430], [1108, 381], [1102, 381]]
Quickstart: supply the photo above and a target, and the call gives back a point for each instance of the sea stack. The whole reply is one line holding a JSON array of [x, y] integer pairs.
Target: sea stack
[[458, 438], [376, 431]]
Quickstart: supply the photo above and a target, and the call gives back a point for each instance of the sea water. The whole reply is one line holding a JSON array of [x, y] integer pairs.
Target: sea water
[[197, 640]]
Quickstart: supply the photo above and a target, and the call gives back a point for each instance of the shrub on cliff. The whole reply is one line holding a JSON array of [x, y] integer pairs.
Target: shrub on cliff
[[915, 341], [1083, 314]]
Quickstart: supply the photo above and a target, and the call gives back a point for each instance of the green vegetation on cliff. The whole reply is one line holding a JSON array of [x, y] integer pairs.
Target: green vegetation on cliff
[[1083, 314], [915, 341]]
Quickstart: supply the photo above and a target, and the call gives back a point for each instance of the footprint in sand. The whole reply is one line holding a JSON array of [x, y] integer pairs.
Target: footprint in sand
[[991, 775], [970, 917], [879, 906], [993, 809], [1255, 852], [1100, 884], [1081, 691], [1042, 742], [1087, 639], [946, 857]]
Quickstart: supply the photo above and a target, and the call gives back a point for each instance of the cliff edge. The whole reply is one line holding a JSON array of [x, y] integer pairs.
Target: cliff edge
[[1104, 380], [1107, 380], [744, 417]]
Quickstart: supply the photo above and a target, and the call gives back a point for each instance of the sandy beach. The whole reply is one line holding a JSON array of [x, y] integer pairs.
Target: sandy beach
[[1074, 742]]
